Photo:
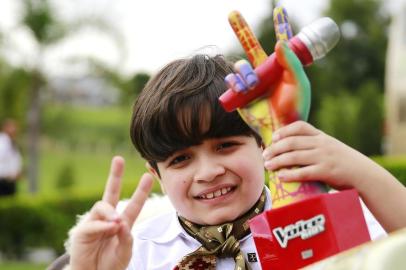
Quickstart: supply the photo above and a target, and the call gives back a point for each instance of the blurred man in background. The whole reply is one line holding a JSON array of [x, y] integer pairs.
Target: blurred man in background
[[10, 158]]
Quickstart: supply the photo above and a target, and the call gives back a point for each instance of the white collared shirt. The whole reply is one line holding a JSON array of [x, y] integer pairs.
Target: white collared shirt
[[10, 159], [160, 242]]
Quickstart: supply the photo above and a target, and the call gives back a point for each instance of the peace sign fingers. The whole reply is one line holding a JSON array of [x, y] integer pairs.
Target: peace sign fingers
[[138, 199]]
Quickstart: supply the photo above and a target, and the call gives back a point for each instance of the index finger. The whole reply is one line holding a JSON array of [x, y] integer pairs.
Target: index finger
[[283, 30], [138, 199], [112, 190], [298, 128]]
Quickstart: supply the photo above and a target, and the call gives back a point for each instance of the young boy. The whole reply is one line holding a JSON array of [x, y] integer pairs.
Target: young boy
[[211, 166]]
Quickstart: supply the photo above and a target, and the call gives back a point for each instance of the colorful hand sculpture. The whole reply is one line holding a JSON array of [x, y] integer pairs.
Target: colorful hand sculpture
[[287, 100]]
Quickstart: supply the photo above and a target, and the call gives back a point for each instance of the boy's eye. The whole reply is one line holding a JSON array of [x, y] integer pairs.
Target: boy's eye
[[226, 145], [178, 159]]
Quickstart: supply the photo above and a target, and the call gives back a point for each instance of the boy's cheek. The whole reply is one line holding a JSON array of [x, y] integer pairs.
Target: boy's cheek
[[248, 168]]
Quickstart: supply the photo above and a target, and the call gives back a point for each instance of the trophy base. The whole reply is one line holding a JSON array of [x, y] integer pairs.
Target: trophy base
[[309, 230]]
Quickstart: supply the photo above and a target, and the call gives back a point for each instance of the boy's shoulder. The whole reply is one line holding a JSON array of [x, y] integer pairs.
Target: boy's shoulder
[[159, 229], [4, 138]]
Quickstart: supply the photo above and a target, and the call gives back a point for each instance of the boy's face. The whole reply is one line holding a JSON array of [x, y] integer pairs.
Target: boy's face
[[214, 182]]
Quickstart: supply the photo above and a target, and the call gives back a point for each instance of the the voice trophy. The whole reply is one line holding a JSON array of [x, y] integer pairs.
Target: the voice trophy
[[305, 224]]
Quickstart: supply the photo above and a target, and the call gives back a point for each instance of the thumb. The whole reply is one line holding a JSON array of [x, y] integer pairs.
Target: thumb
[[294, 75], [288, 59]]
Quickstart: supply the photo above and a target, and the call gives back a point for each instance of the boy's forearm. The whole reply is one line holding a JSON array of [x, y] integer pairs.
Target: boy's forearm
[[384, 195]]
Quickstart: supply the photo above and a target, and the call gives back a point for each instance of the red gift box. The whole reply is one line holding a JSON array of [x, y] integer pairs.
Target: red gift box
[[309, 230]]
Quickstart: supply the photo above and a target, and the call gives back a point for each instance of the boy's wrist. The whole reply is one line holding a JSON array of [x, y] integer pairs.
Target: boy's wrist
[[371, 180]]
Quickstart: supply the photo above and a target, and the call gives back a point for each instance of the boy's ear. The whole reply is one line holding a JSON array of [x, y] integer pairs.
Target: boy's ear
[[155, 174], [152, 171]]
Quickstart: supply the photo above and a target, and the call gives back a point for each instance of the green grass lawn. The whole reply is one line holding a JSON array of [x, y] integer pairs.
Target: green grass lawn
[[87, 125], [83, 138], [89, 171]]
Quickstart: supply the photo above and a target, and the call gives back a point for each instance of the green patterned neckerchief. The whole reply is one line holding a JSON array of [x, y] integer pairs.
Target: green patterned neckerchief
[[219, 241]]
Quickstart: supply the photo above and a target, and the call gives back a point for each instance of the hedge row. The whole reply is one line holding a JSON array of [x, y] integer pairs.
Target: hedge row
[[25, 222], [28, 222]]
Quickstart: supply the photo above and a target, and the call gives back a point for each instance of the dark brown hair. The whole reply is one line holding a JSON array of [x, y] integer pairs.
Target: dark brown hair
[[179, 108]]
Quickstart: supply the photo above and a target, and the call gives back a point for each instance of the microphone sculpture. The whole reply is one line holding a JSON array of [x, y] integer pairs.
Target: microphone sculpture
[[306, 224]]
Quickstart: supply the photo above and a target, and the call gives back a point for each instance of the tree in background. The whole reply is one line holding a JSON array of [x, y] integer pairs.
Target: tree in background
[[137, 83], [353, 72], [13, 92], [337, 115], [46, 29], [370, 119], [347, 85], [129, 86]]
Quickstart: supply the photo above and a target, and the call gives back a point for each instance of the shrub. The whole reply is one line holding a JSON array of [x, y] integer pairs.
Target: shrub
[[66, 177], [396, 165], [41, 223]]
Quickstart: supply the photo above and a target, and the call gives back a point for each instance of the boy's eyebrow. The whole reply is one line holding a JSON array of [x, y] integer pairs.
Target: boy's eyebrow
[[184, 148], [205, 139]]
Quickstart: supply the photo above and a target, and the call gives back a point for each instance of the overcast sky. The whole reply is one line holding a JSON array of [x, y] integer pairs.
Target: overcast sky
[[154, 31]]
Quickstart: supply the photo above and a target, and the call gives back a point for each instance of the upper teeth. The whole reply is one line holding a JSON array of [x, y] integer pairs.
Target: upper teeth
[[216, 193]]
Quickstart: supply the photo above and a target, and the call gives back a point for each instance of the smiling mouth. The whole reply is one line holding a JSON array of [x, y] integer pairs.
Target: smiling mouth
[[218, 193]]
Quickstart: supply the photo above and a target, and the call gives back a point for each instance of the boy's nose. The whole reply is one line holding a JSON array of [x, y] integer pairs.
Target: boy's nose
[[208, 168]]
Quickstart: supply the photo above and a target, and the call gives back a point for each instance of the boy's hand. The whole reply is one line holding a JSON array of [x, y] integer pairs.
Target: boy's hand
[[316, 156], [103, 240], [312, 155]]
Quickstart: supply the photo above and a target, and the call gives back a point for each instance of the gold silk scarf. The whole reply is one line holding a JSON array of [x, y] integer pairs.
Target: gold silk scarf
[[219, 241]]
